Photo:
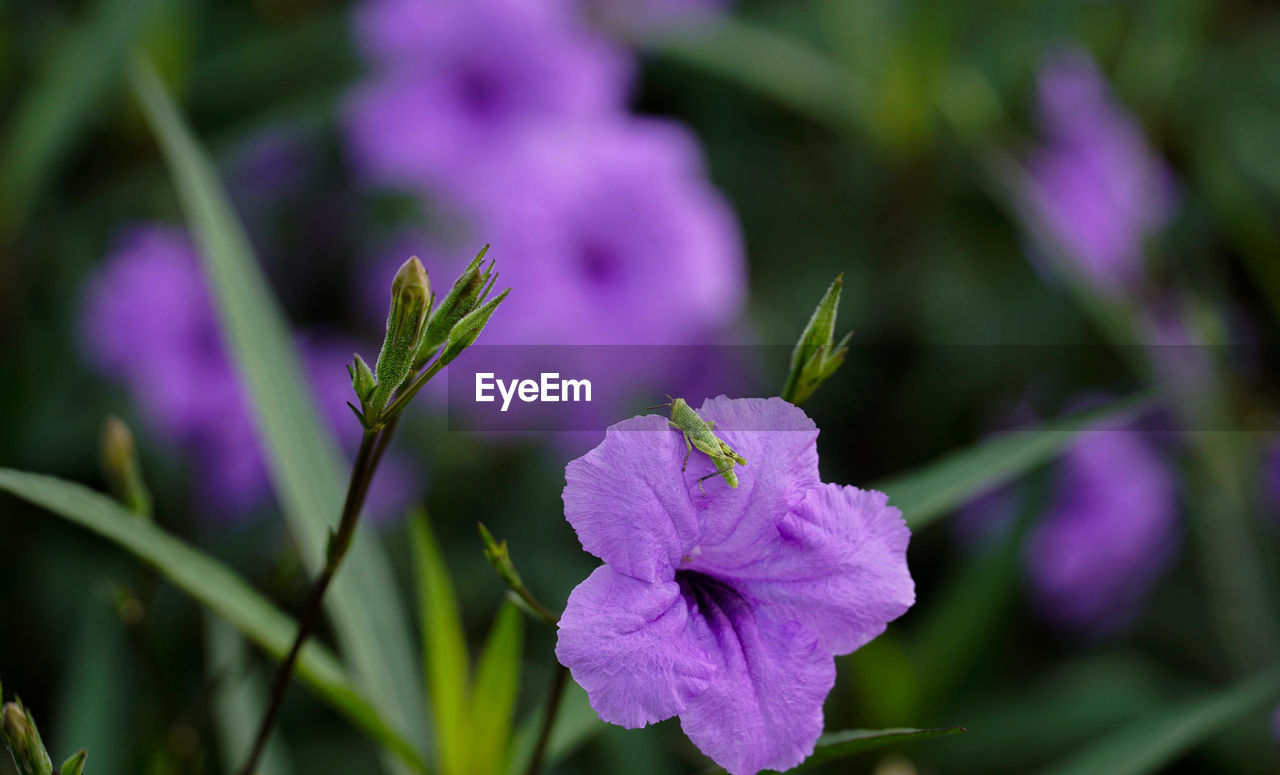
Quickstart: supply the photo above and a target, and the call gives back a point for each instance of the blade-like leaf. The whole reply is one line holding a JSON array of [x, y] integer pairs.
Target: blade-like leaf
[[1157, 740], [215, 586], [493, 697], [305, 465], [576, 722], [444, 648], [932, 492], [239, 700], [837, 745], [80, 71], [91, 714]]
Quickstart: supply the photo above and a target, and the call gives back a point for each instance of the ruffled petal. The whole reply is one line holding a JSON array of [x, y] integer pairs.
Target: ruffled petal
[[764, 711], [779, 442], [632, 646], [838, 566], [627, 502]]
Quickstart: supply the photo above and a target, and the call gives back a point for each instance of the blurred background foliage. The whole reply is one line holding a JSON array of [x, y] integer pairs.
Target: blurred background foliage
[[873, 139]]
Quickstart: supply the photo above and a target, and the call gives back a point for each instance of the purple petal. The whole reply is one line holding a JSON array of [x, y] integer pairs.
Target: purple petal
[[626, 501], [765, 709], [779, 443], [839, 567], [631, 645]]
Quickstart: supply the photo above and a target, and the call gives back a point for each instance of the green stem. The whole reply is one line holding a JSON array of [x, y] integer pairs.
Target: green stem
[[558, 683], [366, 462]]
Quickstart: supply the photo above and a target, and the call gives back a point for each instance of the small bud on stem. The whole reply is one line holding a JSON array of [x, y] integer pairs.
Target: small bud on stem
[[500, 558], [817, 355], [18, 729], [121, 468], [468, 292], [406, 324]]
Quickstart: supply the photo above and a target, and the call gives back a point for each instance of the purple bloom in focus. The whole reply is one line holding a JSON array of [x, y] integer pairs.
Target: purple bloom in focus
[[1109, 533], [455, 78], [1095, 186], [725, 610], [149, 324]]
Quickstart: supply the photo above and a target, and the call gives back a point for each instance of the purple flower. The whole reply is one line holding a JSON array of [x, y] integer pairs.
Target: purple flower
[[1095, 187], [1109, 533], [149, 324], [727, 609], [615, 237], [454, 78]]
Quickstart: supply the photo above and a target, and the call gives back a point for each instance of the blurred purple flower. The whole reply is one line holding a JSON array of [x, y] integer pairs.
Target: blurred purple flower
[[1110, 532], [269, 165], [614, 238], [454, 78], [1095, 186], [148, 323], [725, 610]]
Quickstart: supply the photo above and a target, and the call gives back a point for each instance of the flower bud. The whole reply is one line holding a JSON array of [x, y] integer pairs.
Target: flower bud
[[465, 333], [406, 324], [75, 765], [467, 294], [362, 380], [121, 468], [23, 740], [816, 355]]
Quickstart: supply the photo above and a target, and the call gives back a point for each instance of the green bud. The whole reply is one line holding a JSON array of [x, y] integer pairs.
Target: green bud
[[468, 292], [406, 325], [499, 557], [18, 729], [362, 380], [817, 355], [121, 468], [75, 765], [465, 333]]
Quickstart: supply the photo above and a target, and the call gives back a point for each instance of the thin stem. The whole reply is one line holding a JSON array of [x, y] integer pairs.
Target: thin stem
[[558, 683], [544, 613], [361, 475]]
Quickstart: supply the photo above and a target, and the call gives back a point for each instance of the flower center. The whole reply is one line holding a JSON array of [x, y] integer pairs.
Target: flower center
[[598, 263], [708, 595]]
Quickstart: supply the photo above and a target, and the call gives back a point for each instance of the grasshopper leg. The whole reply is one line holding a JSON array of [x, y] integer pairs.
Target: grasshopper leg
[[713, 473]]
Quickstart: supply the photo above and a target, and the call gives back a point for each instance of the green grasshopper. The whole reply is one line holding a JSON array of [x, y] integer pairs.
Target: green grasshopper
[[699, 433]]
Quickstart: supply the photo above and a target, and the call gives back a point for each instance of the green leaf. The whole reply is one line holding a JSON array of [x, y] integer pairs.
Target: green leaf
[[444, 647], [1157, 740], [75, 78], [215, 586], [837, 745], [576, 722], [774, 66], [493, 697], [304, 462], [90, 712], [238, 701], [930, 493]]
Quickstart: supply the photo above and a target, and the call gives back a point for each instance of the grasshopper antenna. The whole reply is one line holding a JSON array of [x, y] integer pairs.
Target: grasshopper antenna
[[669, 402]]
